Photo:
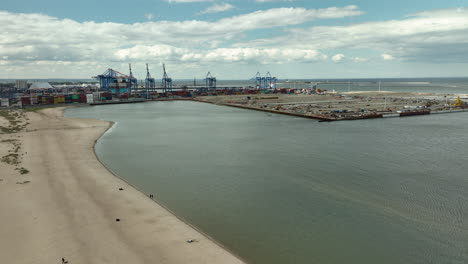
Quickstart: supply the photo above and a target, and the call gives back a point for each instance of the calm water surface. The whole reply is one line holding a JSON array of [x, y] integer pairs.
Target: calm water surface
[[280, 189]]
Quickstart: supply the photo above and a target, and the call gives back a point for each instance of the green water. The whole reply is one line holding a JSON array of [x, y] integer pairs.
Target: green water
[[280, 189]]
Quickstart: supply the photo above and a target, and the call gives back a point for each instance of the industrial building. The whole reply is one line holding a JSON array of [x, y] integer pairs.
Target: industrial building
[[21, 84], [38, 86]]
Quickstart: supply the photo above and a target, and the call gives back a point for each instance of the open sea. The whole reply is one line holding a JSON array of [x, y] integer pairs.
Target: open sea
[[282, 189]]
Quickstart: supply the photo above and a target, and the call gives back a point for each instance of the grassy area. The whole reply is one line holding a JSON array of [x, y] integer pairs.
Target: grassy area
[[16, 120], [16, 123], [33, 109], [14, 157], [24, 182], [9, 141], [11, 159], [23, 170]]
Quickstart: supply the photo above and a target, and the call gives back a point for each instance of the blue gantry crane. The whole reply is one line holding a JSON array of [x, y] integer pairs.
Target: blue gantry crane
[[166, 82], [150, 83], [114, 81], [267, 82], [258, 80], [210, 82], [132, 82]]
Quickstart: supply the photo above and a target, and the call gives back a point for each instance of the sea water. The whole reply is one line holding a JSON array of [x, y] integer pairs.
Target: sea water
[[281, 189]]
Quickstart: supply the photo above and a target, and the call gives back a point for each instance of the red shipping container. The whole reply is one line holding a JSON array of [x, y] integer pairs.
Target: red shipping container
[[25, 100]]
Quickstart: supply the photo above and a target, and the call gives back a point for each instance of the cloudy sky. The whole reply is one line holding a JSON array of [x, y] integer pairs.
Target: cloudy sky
[[233, 39]]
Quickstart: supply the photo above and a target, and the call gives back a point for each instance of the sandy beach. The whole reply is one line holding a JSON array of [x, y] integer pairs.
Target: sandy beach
[[58, 201]]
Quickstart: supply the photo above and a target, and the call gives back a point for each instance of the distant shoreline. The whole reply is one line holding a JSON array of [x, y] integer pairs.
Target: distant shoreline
[[321, 79]]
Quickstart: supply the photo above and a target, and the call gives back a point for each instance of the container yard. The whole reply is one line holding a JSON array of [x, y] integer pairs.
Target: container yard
[[345, 106]]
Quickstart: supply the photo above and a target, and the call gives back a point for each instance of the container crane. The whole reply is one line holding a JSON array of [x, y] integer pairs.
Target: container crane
[[269, 82], [258, 80], [132, 82], [112, 80], [210, 81], [150, 83], [166, 81]]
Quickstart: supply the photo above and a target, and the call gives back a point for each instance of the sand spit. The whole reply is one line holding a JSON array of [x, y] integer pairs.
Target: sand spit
[[67, 204]]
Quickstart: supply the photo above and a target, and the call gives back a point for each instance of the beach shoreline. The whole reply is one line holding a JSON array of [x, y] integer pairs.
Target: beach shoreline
[[159, 203], [69, 206]]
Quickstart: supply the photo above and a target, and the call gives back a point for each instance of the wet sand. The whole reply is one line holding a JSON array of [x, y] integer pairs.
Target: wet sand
[[66, 206]]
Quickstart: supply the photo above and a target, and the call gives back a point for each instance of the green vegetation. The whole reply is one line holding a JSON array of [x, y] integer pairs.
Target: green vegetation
[[16, 123], [33, 109], [15, 119], [23, 170], [24, 182], [11, 159], [9, 141]]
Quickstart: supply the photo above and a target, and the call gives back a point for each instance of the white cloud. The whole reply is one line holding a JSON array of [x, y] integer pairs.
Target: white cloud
[[360, 59], [87, 41], [263, 56], [188, 1], [277, 17], [267, 1], [387, 57], [438, 35], [338, 57], [141, 53], [82, 48], [216, 8], [149, 16], [431, 36]]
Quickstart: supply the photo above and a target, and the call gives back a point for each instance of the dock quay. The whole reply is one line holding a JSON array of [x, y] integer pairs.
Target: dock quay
[[318, 117], [119, 102], [130, 101], [340, 107]]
